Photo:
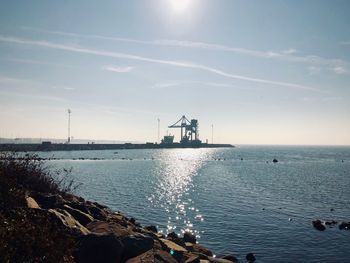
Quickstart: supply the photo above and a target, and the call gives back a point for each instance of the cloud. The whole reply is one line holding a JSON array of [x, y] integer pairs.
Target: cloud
[[313, 70], [62, 88], [290, 51], [165, 85], [286, 55], [118, 69], [5, 79], [181, 64], [30, 61], [339, 70], [345, 42]]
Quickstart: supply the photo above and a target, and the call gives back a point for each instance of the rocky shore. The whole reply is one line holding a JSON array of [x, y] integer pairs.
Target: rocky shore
[[39, 222]]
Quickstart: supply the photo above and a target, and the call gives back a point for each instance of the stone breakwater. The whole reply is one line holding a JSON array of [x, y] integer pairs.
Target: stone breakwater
[[100, 235]]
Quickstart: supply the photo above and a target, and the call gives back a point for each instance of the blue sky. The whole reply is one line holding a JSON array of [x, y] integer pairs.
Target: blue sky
[[262, 72]]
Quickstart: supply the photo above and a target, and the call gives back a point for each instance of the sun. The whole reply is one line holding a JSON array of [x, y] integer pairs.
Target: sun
[[180, 6]]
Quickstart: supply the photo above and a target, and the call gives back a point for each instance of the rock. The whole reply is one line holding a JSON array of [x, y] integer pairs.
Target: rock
[[219, 260], [97, 213], [172, 235], [135, 245], [250, 257], [98, 205], [345, 226], [163, 256], [79, 206], [48, 201], [198, 249], [193, 259], [94, 248], [329, 223], [188, 237], [154, 257], [172, 246], [152, 229], [69, 221], [31, 203], [275, 160], [318, 225], [102, 227], [231, 258], [174, 249], [82, 217]]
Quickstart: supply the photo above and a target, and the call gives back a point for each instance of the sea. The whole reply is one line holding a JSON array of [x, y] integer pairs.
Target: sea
[[235, 200]]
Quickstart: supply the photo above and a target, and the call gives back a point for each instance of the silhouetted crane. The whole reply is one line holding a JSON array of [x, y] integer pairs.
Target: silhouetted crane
[[189, 129]]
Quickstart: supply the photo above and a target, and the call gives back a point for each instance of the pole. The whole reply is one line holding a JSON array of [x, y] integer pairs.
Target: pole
[[212, 134], [69, 112], [158, 130]]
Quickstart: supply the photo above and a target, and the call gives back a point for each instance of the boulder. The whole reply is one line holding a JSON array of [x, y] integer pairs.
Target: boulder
[[31, 203], [152, 229], [157, 256], [68, 220], [48, 201], [82, 217], [79, 206], [97, 213], [330, 223], [231, 258], [198, 249], [275, 160], [95, 248], [188, 237], [102, 227], [250, 257], [219, 260], [135, 245], [172, 235], [174, 249], [170, 245], [192, 258], [318, 225], [344, 225]]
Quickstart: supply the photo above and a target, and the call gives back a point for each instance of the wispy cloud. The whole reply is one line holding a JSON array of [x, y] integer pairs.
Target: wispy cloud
[[9, 80], [313, 70], [285, 55], [345, 42], [68, 34], [62, 88], [164, 85], [339, 70], [37, 62], [290, 51], [32, 95], [118, 69], [171, 84], [181, 64]]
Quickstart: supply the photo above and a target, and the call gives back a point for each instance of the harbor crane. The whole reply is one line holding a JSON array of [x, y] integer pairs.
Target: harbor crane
[[189, 130]]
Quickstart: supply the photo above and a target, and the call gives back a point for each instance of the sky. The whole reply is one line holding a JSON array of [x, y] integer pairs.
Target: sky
[[260, 72]]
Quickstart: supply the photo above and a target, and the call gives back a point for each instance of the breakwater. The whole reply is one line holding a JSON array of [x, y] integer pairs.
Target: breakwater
[[34, 147]]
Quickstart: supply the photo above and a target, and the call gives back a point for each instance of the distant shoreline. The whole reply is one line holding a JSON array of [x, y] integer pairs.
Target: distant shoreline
[[36, 147]]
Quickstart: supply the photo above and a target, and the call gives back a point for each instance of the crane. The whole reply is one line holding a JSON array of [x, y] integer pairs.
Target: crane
[[189, 129]]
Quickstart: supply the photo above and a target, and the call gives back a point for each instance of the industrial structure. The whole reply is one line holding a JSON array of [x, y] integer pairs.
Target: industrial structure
[[189, 139], [189, 130], [69, 113]]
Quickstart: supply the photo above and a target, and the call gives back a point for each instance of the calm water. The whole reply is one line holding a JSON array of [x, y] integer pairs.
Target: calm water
[[235, 200]]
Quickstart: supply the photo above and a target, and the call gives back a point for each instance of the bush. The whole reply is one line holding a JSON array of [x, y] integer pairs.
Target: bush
[[31, 235], [21, 175]]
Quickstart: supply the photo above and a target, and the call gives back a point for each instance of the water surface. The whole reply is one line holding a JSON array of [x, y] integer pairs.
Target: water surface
[[234, 200]]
